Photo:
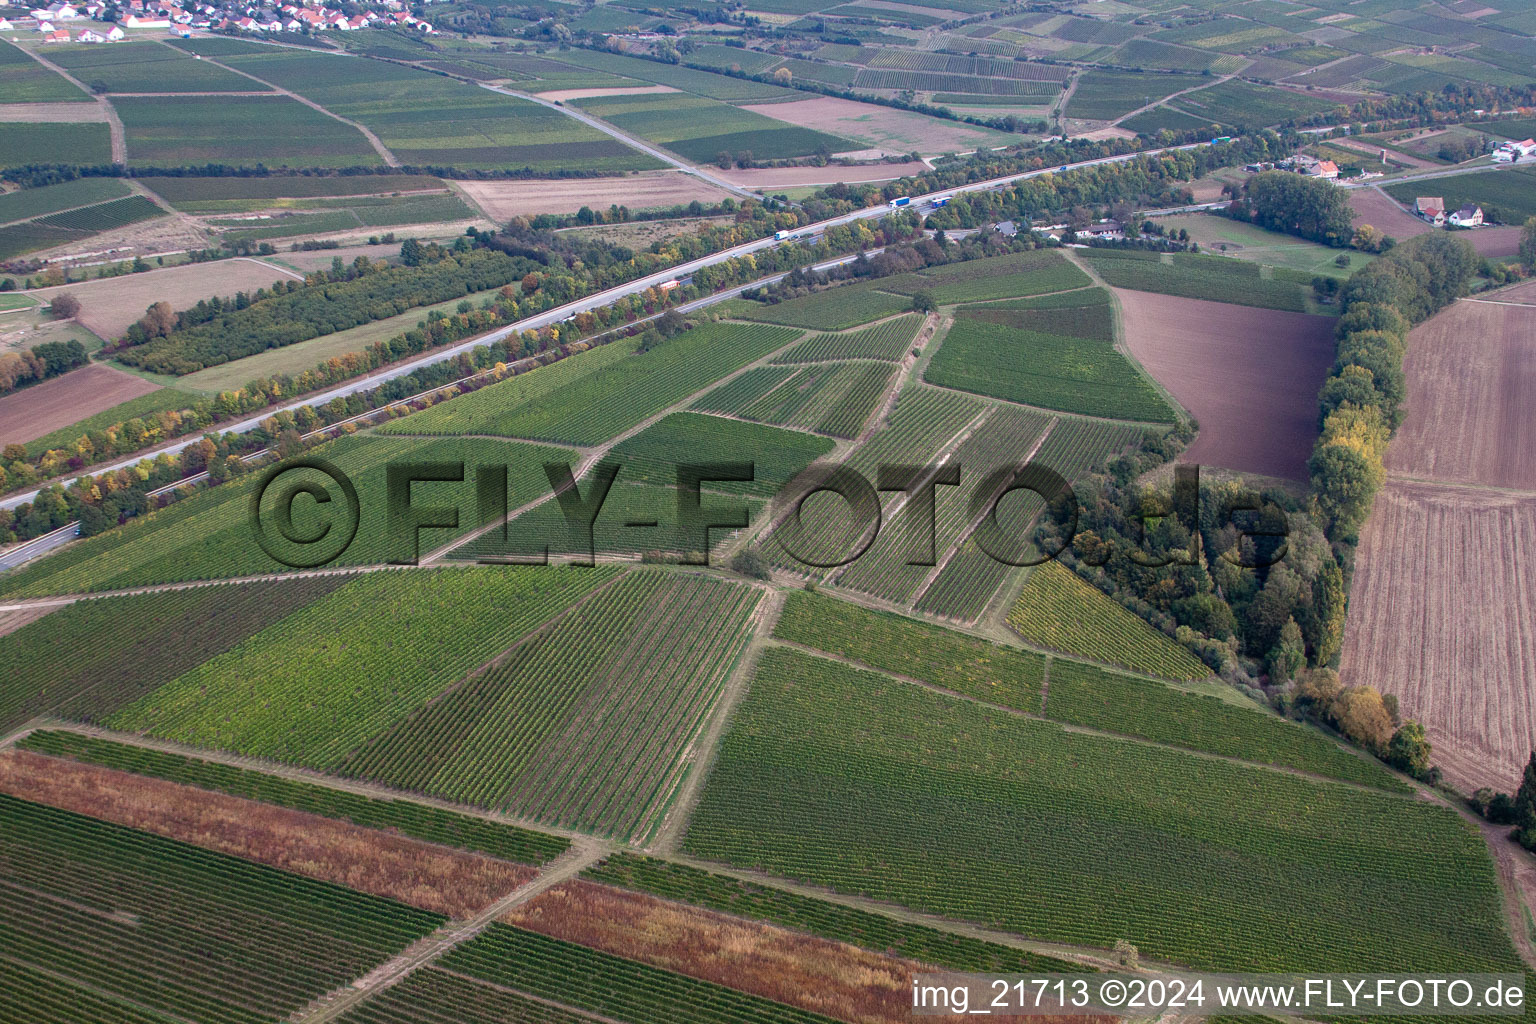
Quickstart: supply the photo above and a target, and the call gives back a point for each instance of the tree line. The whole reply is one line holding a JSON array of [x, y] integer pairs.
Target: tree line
[[51, 358]]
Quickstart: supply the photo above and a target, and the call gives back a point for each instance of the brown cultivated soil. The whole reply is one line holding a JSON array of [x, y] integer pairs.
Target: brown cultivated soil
[[11, 621], [1380, 211], [1471, 417], [815, 974], [109, 305], [782, 177], [1442, 612], [503, 199], [32, 412], [895, 131], [424, 875], [1249, 376], [1524, 292]]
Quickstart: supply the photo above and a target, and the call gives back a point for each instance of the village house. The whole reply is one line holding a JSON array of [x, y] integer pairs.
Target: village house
[[1326, 169], [87, 36], [1467, 217], [6, 26], [1431, 208]]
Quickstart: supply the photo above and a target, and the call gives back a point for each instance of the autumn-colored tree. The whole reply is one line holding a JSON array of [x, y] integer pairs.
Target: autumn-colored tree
[[158, 320], [1363, 717], [65, 306]]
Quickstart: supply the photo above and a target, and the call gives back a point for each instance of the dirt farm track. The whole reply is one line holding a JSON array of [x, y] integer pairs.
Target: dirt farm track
[[1443, 605]]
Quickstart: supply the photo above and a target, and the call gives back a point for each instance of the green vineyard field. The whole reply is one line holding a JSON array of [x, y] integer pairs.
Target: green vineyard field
[[871, 786], [889, 339], [582, 725], [1058, 610], [432, 824], [347, 667]]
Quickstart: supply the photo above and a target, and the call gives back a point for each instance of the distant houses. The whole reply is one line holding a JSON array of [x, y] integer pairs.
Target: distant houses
[[1431, 208], [1509, 152], [1466, 217]]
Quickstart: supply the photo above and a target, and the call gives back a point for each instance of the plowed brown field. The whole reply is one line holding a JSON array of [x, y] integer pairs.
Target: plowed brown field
[[1443, 607], [43, 408], [1471, 383], [1250, 376]]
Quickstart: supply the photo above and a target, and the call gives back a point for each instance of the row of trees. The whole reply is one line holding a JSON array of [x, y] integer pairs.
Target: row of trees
[[1296, 204], [51, 358]]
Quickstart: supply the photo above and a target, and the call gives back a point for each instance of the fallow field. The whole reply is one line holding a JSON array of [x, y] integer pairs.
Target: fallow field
[[39, 410]]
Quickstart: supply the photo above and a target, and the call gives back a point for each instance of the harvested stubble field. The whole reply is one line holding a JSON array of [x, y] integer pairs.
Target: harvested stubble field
[[32, 412], [1374, 207], [109, 305], [897, 131], [1471, 372], [504, 199], [422, 875], [1249, 376], [1441, 613], [786, 177]]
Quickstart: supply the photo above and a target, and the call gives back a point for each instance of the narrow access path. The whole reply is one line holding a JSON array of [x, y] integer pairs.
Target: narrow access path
[[115, 123], [582, 854]]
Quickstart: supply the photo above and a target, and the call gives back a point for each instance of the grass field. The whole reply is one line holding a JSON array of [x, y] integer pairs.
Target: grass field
[[1255, 244], [582, 725], [92, 657], [353, 664], [130, 66], [868, 785], [1508, 195], [24, 80], [1057, 610], [241, 130], [107, 923], [49, 142], [431, 824], [699, 128], [430, 120], [1089, 696], [1197, 277], [209, 535], [1054, 358]]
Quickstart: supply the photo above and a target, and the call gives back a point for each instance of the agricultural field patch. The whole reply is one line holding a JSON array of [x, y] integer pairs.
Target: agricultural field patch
[[582, 725], [293, 218], [146, 404], [104, 216], [24, 80], [889, 340], [355, 663], [1148, 53], [92, 657], [682, 438], [1107, 95], [1249, 377], [50, 142], [828, 398], [1244, 241], [242, 130], [209, 535], [1054, 358], [692, 80], [896, 131], [430, 824], [701, 129], [1506, 196], [502, 200], [833, 309], [51, 199], [1159, 118], [131, 66], [1247, 107], [1061, 612], [848, 779], [1199, 278], [96, 911], [241, 195], [33, 415], [998, 277]]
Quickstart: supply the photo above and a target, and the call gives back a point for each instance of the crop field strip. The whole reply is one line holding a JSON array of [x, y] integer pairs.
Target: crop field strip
[[593, 407], [427, 119], [889, 340], [1089, 696], [683, 438], [835, 921], [134, 66], [924, 422], [1062, 359], [175, 929], [24, 80], [833, 309], [868, 785], [208, 535], [239, 130], [828, 398], [601, 983], [435, 996], [90, 658], [348, 667], [54, 142], [1062, 612], [999, 277], [1001, 442], [698, 128], [583, 725], [1197, 277], [430, 824]]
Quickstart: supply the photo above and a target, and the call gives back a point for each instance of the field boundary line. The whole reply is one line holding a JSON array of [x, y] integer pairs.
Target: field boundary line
[[115, 129], [423, 952], [1123, 348], [698, 757]]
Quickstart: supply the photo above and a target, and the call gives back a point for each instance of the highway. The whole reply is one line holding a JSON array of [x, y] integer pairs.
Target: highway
[[556, 315]]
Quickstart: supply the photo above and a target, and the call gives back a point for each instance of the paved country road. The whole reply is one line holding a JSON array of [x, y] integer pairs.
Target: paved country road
[[555, 316]]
